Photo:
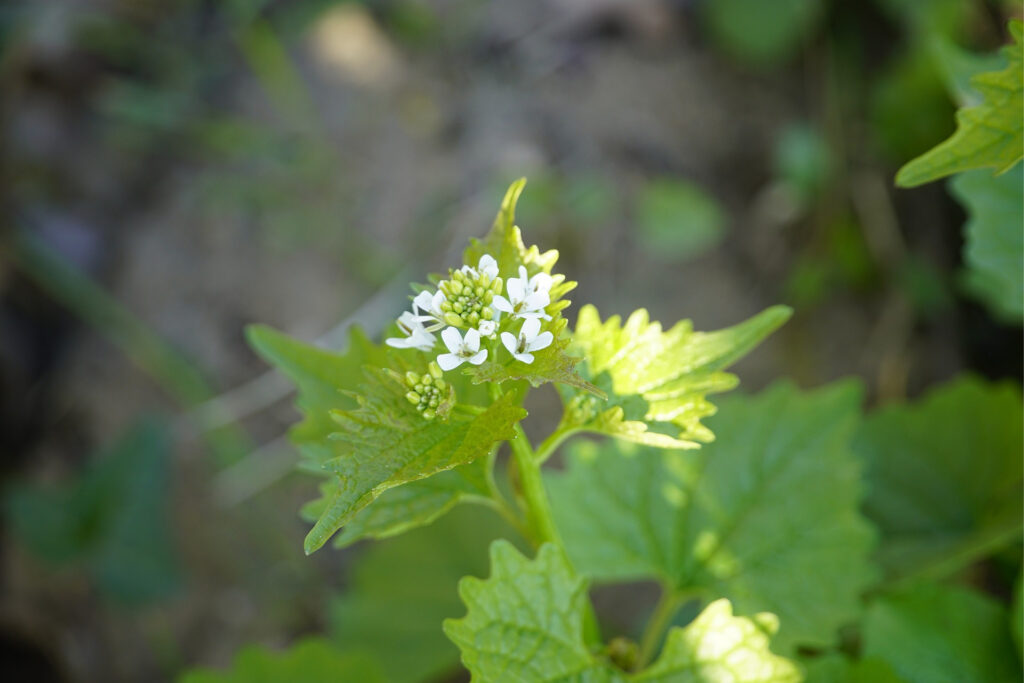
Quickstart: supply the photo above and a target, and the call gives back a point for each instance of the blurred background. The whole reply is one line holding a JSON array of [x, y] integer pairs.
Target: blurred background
[[171, 170]]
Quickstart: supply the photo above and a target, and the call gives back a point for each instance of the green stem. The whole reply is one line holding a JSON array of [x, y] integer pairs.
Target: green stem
[[668, 604], [538, 509], [549, 445]]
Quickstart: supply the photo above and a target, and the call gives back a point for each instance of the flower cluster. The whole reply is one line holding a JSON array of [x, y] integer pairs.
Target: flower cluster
[[471, 299], [425, 391]]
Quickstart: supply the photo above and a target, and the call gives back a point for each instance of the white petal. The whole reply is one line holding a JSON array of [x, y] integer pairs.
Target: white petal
[[472, 341], [449, 361], [479, 358], [452, 339], [488, 266], [523, 274], [422, 301], [487, 327], [541, 282], [510, 341], [536, 301], [541, 341], [525, 357], [530, 328], [435, 303], [398, 342], [422, 340], [500, 303], [516, 289]]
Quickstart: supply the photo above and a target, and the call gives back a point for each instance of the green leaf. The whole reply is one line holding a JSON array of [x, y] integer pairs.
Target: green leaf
[[720, 646], [313, 660], [654, 378], [944, 475], [994, 249], [505, 242], [677, 219], [836, 668], [1017, 616], [386, 443], [774, 497], [526, 623], [989, 135], [761, 33], [113, 520], [415, 504], [400, 590], [933, 634]]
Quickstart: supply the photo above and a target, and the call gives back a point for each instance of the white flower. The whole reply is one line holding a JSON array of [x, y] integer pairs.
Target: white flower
[[527, 297], [487, 328], [527, 341], [462, 350], [418, 337], [427, 308], [487, 266]]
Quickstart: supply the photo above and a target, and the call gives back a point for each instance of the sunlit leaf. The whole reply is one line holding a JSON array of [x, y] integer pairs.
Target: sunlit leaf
[[773, 498]]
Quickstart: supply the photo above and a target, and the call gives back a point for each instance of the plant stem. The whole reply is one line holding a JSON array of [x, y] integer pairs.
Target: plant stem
[[538, 509], [668, 604], [549, 445]]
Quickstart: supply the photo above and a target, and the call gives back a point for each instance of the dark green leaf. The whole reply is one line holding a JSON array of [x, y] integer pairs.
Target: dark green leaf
[[678, 220], [309, 661], [773, 498]]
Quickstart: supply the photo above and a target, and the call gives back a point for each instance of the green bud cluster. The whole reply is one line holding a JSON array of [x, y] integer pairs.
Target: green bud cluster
[[468, 298], [426, 391]]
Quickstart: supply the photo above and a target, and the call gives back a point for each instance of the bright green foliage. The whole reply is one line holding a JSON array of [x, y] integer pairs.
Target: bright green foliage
[[937, 634], [761, 33], [994, 249], [310, 661], [677, 219], [718, 646], [113, 519], [654, 378], [989, 135], [526, 622], [944, 474], [386, 443], [773, 498], [400, 591]]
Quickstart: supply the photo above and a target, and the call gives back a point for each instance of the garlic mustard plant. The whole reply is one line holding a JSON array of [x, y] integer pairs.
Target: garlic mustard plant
[[405, 431]]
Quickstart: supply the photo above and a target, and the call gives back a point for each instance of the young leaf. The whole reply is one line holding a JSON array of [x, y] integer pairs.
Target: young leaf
[[525, 623], [399, 591], [934, 634], [774, 497], [310, 661], [989, 135], [505, 242], [994, 249], [944, 474], [386, 443], [835, 668], [656, 377]]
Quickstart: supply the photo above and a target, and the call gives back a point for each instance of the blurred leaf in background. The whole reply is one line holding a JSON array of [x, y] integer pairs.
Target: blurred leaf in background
[[310, 661], [113, 519], [803, 160], [402, 589], [677, 220], [759, 33], [944, 476]]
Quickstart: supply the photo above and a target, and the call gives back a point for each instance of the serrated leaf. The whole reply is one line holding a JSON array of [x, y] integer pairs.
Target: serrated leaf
[[415, 504], [313, 660], [386, 443], [656, 378], [774, 497], [994, 238], [505, 242], [934, 634], [400, 590], [719, 646], [112, 520], [551, 364], [526, 622], [944, 473], [988, 135]]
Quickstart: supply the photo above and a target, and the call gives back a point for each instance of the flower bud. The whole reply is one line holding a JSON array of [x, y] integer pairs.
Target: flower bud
[[413, 398], [496, 285], [411, 378], [454, 319], [429, 414], [473, 319], [435, 370]]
